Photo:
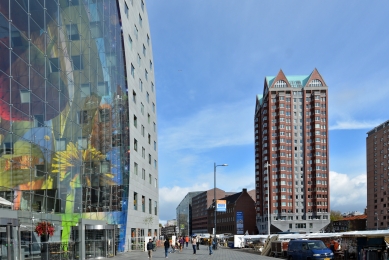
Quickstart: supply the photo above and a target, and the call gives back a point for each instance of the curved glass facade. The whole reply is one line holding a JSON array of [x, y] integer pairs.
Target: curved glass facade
[[64, 136]]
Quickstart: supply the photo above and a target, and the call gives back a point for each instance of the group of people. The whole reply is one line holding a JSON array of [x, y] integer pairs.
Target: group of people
[[195, 241], [196, 244]]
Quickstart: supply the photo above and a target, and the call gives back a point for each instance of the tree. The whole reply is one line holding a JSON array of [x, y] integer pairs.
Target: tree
[[148, 221], [335, 215]]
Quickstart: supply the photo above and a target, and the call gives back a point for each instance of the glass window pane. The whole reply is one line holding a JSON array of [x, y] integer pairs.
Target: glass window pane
[[82, 143], [25, 96], [85, 90]]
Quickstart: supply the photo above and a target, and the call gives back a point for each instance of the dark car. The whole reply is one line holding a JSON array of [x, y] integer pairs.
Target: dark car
[[309, 249]]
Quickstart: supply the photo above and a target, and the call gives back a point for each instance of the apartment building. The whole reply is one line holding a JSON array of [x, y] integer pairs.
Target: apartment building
[[292, 154], [377, 163]]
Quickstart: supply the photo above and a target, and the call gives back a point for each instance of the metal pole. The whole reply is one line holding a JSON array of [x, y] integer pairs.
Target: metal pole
[[214, 191], [214, 197], [268, 198]]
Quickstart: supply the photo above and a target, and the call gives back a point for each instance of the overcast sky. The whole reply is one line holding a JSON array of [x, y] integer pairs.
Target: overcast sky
[[211, 58]]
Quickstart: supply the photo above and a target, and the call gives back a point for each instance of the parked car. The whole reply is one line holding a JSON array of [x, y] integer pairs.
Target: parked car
[[309, 250]]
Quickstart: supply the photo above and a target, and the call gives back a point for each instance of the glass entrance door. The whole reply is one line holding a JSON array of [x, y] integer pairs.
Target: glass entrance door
[[99, 241], [9, 240]]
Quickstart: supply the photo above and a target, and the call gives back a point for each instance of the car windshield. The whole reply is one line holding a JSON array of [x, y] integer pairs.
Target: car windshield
[[316, 245]]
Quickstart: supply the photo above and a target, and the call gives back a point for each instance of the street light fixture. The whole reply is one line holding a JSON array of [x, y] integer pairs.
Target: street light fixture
[[214, 191], [268, 198]]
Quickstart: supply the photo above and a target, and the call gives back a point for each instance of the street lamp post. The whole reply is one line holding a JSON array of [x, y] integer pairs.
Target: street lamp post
[[214, 193], [268, 198]]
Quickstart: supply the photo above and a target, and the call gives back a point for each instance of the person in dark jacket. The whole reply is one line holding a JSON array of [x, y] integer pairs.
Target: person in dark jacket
[[166, 244], [150, 248]]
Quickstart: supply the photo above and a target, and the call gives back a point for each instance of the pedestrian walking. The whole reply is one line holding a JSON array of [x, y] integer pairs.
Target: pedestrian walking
[[166, 244], [150, 248], [154, 244], [198, 242], [210, 242], [194, 241], [173, 246], [186, 241], [181, 243]]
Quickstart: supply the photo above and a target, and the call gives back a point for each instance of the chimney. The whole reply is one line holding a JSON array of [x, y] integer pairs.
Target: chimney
[[244, 190]]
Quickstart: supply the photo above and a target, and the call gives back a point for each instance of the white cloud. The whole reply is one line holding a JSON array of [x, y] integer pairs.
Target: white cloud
[[217, 126], [170, 197], [348, 193], [354, 124]]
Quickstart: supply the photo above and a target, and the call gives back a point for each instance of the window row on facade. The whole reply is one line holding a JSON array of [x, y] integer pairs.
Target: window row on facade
[[151, 179], [139, 203]]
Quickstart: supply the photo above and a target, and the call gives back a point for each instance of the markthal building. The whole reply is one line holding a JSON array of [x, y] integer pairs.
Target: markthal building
[[78, 137]]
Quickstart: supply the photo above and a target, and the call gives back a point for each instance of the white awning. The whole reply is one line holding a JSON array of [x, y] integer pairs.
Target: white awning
[[5, 202]]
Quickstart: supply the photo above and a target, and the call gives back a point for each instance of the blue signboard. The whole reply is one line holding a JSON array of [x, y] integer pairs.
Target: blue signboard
[[239, 223]]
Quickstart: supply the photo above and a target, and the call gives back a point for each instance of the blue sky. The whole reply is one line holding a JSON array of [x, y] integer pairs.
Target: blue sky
[[211, 58]]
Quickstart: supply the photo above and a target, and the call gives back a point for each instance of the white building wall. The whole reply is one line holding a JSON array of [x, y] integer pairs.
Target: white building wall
[[145, 111]]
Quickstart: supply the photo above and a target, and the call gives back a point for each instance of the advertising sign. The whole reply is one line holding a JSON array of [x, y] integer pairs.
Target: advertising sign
[[221, 205], [239, 223]]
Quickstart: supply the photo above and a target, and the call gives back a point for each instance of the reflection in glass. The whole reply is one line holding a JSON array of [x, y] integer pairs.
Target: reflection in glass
[[63, 141]]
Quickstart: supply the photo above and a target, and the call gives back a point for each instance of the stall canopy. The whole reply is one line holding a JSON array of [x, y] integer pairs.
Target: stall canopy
[[5, 202]]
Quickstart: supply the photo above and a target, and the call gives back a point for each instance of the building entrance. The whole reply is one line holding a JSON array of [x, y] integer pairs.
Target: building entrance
[[100, 241], [9, 239]]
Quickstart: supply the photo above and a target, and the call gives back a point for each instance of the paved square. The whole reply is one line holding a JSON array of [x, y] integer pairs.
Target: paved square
[[203, 253]]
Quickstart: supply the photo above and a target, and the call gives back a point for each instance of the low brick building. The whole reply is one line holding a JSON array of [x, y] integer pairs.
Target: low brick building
[[350, 223], [239, 217]]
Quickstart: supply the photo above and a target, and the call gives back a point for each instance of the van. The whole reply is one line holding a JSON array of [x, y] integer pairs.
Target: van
[[309, 250]]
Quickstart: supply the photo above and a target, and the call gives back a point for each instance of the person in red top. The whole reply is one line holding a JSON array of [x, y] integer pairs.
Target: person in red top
[[187, 241]]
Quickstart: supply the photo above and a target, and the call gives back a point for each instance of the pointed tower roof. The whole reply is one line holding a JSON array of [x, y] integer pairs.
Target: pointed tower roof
[[294, 81], [315, 75], [280, 76]]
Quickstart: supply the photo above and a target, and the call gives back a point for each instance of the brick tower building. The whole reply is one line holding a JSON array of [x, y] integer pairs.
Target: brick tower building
[[291, 154]]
